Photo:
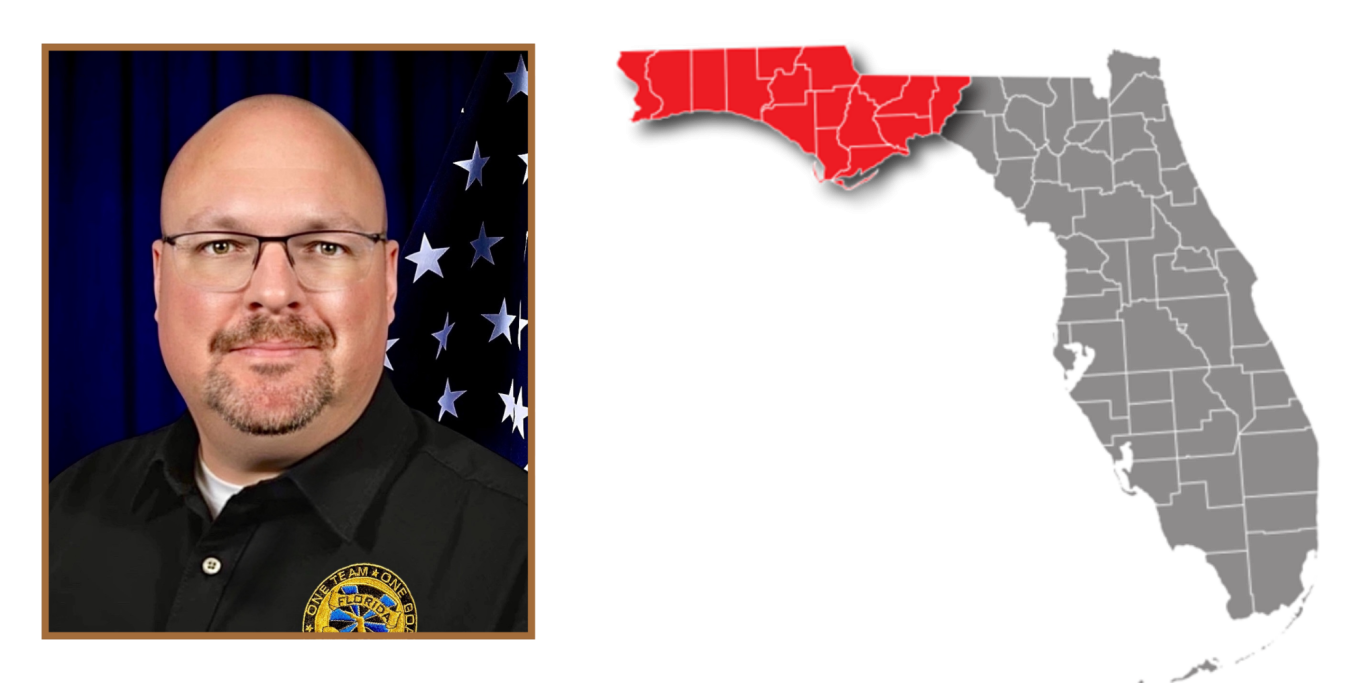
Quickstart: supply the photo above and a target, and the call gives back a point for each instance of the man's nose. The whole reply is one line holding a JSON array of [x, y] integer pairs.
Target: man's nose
[[274, 288]]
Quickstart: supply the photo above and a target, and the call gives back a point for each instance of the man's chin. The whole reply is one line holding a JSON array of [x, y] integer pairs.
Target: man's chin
[[266, 415], [272, 370], [269, 399], [267, 423]]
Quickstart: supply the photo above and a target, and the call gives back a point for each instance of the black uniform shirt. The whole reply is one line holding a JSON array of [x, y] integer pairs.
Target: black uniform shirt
[[399, 523]]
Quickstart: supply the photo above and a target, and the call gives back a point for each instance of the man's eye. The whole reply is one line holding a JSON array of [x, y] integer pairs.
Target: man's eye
[[329, 249], [218, 248]]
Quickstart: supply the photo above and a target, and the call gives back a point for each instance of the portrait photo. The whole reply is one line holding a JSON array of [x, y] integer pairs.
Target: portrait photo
[[289, 318]]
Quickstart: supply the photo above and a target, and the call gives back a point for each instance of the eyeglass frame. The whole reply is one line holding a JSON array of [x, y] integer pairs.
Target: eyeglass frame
[[262, 240]]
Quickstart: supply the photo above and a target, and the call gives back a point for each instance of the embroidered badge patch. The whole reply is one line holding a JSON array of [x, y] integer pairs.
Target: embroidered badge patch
[[361, 598]]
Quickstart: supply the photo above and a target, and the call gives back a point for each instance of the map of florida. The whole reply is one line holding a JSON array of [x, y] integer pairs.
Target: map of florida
[[812, 95], [1178, 378]]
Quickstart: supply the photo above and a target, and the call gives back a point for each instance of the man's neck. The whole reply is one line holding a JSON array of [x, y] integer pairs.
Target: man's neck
[[244, 459]]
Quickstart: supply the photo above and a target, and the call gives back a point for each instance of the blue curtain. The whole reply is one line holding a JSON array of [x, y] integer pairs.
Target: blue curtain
[[116, 119]]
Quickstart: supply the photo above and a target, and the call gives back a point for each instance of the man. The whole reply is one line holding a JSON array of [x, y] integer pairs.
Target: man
[[298, 492]]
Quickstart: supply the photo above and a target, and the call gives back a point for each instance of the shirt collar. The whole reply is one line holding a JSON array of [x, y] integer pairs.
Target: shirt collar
[[340, 480], [172, 463]]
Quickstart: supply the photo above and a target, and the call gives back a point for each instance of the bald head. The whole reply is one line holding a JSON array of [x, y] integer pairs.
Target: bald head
[[272, 164]]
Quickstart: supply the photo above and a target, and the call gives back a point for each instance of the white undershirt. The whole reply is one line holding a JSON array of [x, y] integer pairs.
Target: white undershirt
[[216, 492]]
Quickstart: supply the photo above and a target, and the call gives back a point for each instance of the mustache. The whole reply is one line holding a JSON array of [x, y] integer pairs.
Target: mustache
[[263, 329]]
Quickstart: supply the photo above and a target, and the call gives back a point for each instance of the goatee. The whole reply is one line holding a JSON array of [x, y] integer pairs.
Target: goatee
[[249, 410]]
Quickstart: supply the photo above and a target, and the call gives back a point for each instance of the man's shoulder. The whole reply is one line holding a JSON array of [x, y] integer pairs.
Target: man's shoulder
[[113, 468], [468, 462]]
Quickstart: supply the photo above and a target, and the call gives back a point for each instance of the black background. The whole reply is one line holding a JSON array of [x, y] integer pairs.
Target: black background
[[769, 407]]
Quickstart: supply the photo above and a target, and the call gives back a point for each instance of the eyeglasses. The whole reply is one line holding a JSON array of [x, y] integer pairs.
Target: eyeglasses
[[225, 261]]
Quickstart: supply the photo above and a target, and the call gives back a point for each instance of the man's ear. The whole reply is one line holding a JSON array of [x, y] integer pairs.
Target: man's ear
[[156, 277], [391, 275]]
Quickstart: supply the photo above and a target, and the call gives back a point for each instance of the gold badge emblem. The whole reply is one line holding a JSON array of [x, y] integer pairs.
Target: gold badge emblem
[[361, 598]]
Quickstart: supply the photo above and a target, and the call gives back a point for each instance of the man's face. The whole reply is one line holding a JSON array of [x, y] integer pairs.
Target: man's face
[[273, 355]]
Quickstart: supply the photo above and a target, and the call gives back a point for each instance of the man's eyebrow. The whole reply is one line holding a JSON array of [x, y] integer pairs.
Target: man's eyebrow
[[208, 222], [339, 221]]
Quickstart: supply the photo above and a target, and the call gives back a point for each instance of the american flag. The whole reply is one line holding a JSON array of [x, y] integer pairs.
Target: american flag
[[458, 346]]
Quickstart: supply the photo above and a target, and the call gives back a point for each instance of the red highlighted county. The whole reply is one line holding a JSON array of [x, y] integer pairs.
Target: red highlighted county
[[812, 95]]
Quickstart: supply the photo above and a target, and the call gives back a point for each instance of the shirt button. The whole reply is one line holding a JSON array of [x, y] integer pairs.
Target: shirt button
[[211, 565]]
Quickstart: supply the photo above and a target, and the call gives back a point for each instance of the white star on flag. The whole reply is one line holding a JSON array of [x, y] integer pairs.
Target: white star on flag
[[483, 247], [509, 400], [519, 79], [519, 414], [521, 325], [443, 334], [388, 345], [502, 322], [475, 166], [527, 173], [447, 401], [427, 259]]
